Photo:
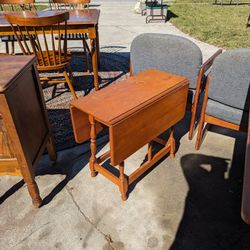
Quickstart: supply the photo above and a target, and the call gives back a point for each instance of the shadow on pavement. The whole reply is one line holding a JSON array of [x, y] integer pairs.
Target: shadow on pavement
[[211, 219]]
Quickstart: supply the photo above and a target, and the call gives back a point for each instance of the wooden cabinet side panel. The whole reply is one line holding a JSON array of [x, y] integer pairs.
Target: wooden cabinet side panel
[[127, 136], [28, 113], [17, 165], [6, 151]]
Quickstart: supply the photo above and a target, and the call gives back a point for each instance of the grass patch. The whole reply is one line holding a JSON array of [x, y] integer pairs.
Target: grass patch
[[223, 26], [40, 6]]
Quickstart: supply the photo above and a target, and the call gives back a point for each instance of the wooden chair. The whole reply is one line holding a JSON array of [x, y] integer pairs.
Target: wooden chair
[[14, 5], [227, 94], [51, 55], [75, 5], [173, 54]]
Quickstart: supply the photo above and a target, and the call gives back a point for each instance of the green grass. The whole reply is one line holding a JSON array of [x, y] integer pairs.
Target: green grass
[[42, 6], [39, 6], [223, 26]]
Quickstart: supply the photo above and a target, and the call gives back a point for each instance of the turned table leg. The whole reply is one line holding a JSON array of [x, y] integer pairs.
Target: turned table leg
[[34, 193], [94, 62], [150, 148], [51, 149], [123, 182], [172, 143], [98, 46], [92, 159]]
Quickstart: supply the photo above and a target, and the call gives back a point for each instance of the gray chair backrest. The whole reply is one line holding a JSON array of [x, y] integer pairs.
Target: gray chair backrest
[[230, 78], [165, 52]]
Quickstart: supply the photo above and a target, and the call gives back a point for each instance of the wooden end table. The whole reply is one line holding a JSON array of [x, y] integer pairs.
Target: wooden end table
[[136, 111]]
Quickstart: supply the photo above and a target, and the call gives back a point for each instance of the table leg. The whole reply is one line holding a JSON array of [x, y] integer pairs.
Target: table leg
[[97, 46], [150, 147], [34, 193], [94, 62], [123, 182], [92, 159], [172, 143], [25, 166], [51, 149]]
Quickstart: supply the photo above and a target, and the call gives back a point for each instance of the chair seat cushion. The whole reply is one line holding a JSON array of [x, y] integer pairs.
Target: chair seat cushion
[[226, 113], [230, 76]]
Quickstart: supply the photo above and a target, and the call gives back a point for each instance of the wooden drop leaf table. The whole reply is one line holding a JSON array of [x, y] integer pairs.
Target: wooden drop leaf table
[[136, 111]]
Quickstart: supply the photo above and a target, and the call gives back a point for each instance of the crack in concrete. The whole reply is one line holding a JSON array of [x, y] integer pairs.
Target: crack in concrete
[[25, 238], [107, 237], [123, 29]]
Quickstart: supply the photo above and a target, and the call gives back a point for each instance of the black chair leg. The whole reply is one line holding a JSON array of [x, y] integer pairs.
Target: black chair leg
[[7, 47], [12, 48]]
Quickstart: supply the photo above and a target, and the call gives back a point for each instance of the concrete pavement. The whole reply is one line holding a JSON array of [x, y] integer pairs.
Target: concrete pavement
[[189, 202]]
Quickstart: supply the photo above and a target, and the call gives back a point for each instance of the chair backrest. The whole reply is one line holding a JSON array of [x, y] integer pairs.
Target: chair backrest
[[70, 4], [36, 35], [17, 5], [230, 79], [165, 52]]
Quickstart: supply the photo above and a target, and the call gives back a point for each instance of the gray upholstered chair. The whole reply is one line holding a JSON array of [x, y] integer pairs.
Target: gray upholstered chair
[[227, 94], [174, 54]]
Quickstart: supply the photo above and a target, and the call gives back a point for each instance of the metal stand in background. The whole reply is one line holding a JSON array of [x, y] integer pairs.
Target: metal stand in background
[[156, 11]]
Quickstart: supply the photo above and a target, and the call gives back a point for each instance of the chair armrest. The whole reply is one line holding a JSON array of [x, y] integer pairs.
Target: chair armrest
[[208, 63]]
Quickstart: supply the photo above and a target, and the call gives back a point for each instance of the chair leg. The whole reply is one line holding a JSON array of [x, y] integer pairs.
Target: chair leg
[[201, 123], [87, 47], [202, 116], [86, 54], [71, 73], [7, 48], [12, 48], [69, 84], [192, 122], [199, 134]]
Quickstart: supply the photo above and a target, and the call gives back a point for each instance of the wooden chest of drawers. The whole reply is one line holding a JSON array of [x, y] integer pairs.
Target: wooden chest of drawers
[[24, 126]]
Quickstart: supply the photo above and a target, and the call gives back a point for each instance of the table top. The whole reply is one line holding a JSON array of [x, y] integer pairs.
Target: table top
[[88, 16], [10, 67], [118, 101]]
